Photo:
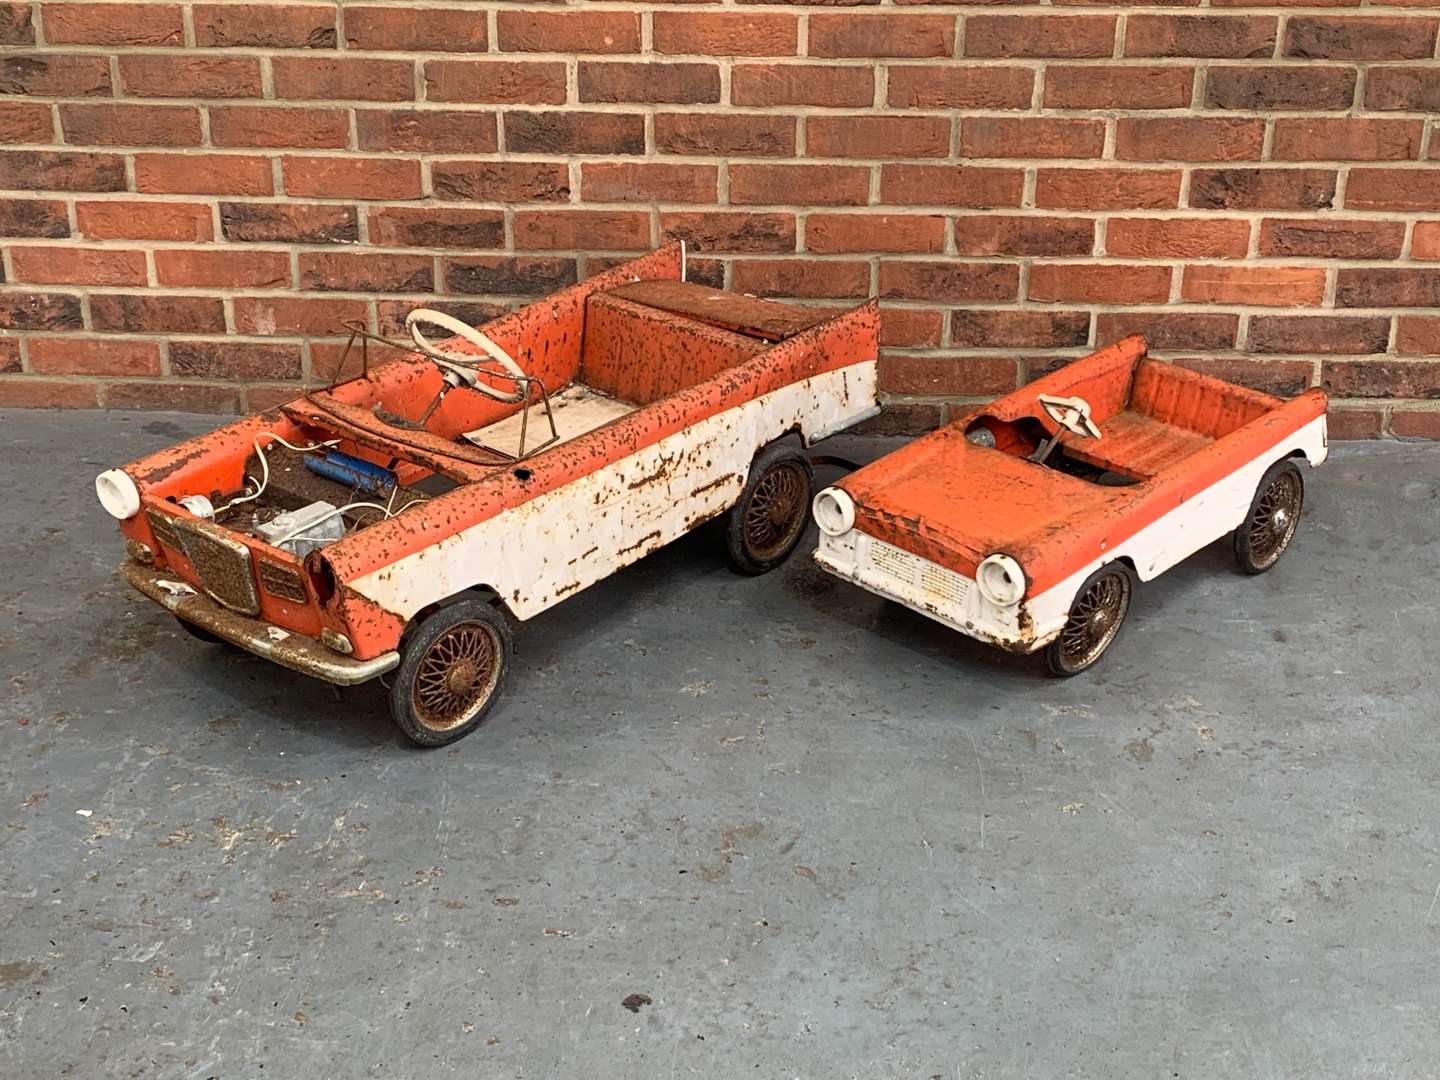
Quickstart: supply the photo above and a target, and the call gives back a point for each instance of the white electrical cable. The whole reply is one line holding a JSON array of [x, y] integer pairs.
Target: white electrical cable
[[265, 466], [301, 449]]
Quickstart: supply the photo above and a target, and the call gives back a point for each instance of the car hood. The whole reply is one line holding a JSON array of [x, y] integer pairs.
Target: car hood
[[955, 503]]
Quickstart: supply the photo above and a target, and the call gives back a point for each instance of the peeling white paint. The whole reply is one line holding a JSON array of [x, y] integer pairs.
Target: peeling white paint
[[565, 540]]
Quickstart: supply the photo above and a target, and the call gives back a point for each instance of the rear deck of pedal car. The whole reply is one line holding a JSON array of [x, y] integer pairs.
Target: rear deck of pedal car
[[613, 361], [1166, 433]]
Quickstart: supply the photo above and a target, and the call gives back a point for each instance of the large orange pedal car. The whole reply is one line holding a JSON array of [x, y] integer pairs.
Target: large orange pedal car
[[401, 521], [1026, 524]]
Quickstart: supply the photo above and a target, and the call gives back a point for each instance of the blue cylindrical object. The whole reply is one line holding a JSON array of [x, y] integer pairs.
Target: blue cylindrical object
[[352, 472]]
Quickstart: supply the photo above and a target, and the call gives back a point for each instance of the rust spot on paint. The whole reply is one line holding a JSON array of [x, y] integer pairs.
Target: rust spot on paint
[[583, 555], [661, 471], [647, 538], [164, 469], [679, 364]]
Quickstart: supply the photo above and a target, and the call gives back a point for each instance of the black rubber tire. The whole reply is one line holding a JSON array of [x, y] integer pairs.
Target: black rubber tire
[[1056, 655], [772, 462], [199, 632], [1249, 561], [420, 723]]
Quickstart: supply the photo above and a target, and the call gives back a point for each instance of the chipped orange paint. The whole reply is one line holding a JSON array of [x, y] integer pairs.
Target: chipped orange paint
[[1178, 462], [1177, 432], [681, 355]]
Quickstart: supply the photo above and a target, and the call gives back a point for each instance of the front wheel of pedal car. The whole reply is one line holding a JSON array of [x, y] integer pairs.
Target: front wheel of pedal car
[[1273, 518], [1099, 609], [452, 670], [767, 521], [199, 633]]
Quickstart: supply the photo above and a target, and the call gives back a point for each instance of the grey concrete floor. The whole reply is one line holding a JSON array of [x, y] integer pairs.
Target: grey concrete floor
[[825, 837]]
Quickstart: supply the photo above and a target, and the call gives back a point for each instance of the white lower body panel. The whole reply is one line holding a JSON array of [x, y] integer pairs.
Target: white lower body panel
[[564, 540]]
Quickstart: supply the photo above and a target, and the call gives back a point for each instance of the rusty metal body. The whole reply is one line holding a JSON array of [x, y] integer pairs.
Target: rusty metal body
[[1174, 466], [678, 388]]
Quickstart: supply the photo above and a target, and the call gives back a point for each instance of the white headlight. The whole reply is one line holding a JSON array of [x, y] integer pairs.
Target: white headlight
[[834, 512], [1001, 580], [118, 494]]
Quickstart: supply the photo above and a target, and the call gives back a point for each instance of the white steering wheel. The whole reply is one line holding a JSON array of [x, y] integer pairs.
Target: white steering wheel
[[462, 364], [1071, 414]]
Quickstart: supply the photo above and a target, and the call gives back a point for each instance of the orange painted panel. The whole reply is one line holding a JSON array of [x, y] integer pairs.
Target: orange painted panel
[[1198, 403], [955, 503], [839, 342], [639, 354]]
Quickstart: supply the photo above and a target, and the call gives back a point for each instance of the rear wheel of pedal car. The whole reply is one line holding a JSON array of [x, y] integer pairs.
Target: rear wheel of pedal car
[[770, 517], [1095, 619], [1273, 518], [199, 632], [452, 669]]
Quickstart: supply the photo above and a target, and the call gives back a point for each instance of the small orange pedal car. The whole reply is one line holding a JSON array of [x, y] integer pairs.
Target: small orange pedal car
[[1027, 523], [401, 521]]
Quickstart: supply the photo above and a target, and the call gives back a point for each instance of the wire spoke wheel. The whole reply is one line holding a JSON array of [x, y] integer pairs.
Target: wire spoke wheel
[[1273, 522], [768, 519], [457, 675], [775, 514], [1274, 517], [1094, 622]]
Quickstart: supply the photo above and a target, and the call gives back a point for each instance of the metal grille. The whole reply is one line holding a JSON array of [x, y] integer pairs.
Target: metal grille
[[944, 583], [891, 560], [222, 562], [163, 526], [282, 581]]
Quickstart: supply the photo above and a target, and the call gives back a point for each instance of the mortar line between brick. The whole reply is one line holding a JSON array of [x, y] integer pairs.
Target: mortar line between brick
[[1035, 108]]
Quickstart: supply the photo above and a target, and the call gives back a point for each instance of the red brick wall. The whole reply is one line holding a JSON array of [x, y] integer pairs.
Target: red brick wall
[[196, 194]]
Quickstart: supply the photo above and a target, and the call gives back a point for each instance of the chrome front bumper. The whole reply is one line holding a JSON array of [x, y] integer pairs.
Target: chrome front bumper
[[294, 651]]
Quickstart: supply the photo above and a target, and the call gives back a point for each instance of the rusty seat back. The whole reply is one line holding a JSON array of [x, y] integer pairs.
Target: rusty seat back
[[641, 354], [1193, 402], [1170, 413]]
